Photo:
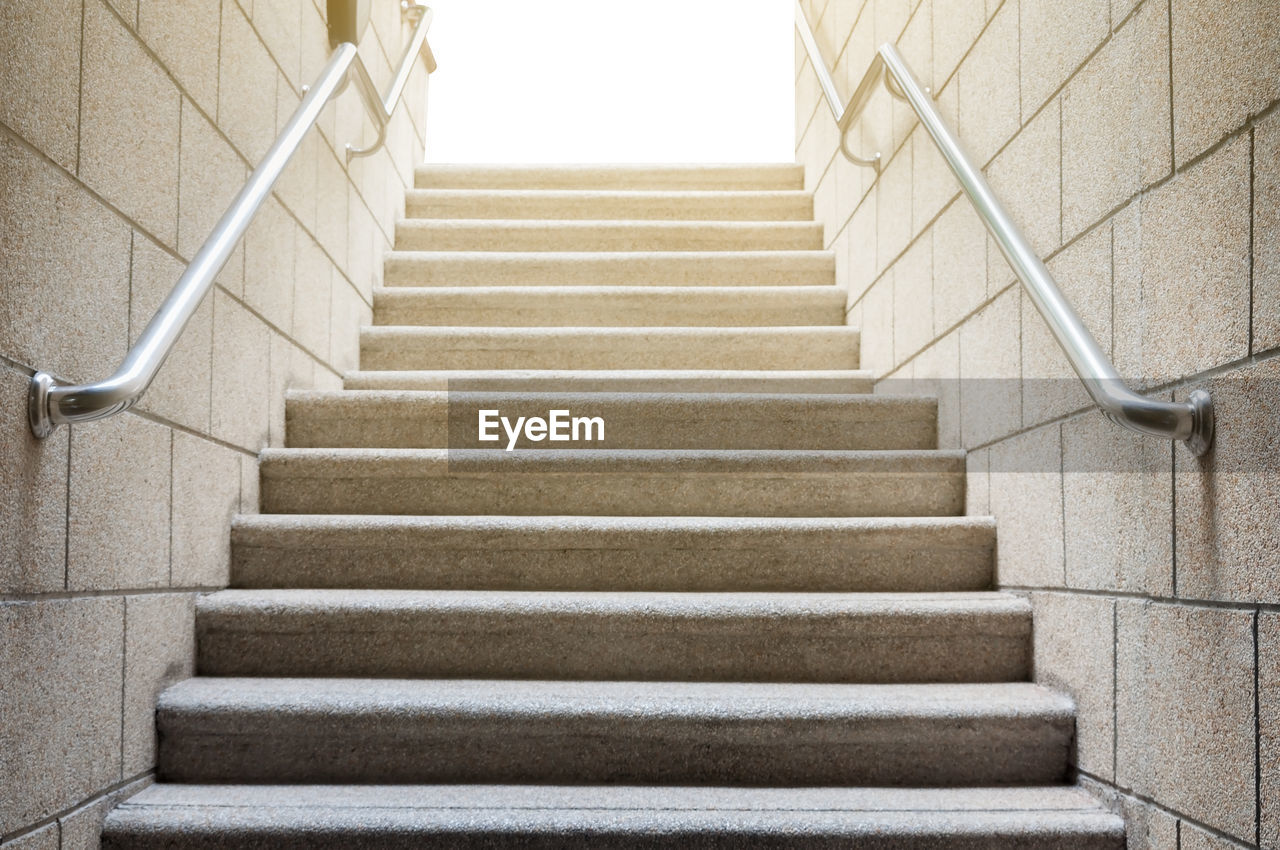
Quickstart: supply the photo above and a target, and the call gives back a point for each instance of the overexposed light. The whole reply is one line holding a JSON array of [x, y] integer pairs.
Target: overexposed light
[[612, 81]]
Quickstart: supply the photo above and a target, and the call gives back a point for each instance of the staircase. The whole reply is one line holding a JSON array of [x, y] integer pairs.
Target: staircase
[[753, 615]]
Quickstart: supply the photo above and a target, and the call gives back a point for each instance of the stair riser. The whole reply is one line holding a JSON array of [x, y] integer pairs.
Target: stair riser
[[428, 235], [769, 382], [725, 206], [621, 494], [653, 647], [507, 654], [852, 569], [447, 745], [493, 348], [778, 268], [677, 177], [464, 554], [609, 307], [640, 422]]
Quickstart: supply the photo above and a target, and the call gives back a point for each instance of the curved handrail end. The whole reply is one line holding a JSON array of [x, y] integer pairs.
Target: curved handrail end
[[50, 404], [1190, 421], [872, 162]]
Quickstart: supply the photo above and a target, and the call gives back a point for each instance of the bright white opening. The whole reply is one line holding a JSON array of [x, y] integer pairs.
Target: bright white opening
[[612, 81]]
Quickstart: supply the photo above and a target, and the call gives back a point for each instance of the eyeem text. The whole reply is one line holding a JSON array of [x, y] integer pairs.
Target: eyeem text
[[560, 426]]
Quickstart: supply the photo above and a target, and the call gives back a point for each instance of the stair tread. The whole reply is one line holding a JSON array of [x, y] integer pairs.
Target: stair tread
[[787, 175], [609, 808], [553, 291], [884, 403], [740, 195], [578, 224], [556, 532], [795, 331], [394, 463], [223, 702], [404, 816], [992, 611], [605, 235], [615, 204], [867, 406], [676, 334], [630, 380], [803, 256], [1065, 798]]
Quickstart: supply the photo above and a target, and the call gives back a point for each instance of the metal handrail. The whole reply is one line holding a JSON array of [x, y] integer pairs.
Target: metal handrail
[[50, 404], [843, 115], [381, 107], [1191, 421]]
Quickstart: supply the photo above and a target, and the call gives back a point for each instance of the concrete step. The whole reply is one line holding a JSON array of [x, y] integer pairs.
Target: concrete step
[[516, 731], [706, 637], [594, 553], [587, 482], [609, 306], [611, 268], [752, 176], [533, 235], [412, 420], [848, 382], [792, 348], [593, 205], [468, 817]]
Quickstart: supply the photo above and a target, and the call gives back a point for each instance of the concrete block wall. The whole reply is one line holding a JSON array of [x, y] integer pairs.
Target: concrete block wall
[[1137, 142], [126, 127]]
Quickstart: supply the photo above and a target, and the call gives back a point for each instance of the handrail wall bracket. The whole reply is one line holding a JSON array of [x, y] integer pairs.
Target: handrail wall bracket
[[1190, 421], [42, 424], [1202, 417], [50, 404], [412, 10]]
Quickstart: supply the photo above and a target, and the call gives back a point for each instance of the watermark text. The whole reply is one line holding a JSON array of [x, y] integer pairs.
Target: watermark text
[[559, 426]]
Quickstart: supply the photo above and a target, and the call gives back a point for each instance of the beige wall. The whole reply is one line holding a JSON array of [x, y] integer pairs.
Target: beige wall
[[1138, 144], [125, 129]]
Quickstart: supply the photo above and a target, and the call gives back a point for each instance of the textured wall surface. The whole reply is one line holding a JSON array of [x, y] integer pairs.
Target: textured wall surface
[[126, 127], [1138, 145]]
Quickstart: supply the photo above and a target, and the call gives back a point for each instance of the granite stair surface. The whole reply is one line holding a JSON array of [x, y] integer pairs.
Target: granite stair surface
[[751, 613]]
